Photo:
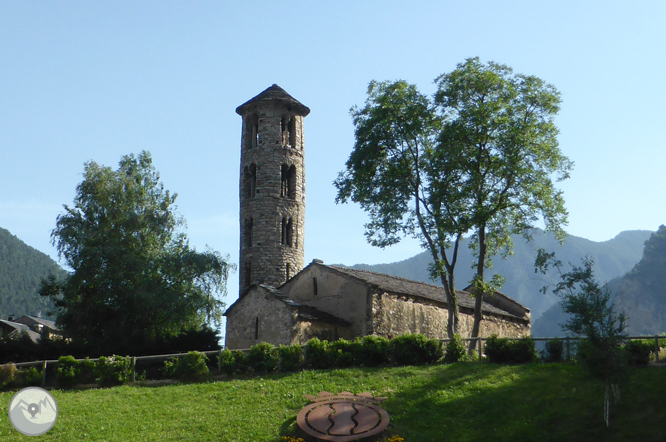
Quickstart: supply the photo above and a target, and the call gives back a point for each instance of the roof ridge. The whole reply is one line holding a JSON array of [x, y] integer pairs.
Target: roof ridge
[[402, 278]]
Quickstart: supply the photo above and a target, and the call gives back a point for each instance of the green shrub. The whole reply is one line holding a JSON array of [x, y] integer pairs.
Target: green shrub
[[291, 357], [455, 350], [227, 362], [28, 377], [113, 370], [341, 353], [501, 350], [374, 351], [317, 354], [639, 351], [72, 372], [554, 350], [263, 358], [7, 374], [240, 362], [189, 367], [415, 349]]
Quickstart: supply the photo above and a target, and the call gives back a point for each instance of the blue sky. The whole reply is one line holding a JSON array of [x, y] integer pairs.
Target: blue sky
[[84, 81]]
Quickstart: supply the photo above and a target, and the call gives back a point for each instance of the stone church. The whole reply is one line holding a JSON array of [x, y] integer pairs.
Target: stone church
[[283, 302]]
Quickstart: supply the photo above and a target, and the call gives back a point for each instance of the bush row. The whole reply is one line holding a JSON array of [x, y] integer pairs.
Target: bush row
[[317, 354]]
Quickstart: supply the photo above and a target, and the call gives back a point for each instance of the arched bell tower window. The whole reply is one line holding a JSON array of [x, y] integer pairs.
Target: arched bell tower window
[[287, 232], [288, 131], [247, 232], [251, 131], [250, 181], [288, 182]]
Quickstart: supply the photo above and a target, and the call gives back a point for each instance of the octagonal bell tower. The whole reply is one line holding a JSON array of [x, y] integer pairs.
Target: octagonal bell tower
[[272, 188]]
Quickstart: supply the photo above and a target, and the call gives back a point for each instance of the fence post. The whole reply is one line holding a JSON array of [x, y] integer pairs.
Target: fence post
[[219, 361], [656, 347], [44, 373], [568, 349], [133, 368], [479, 344]]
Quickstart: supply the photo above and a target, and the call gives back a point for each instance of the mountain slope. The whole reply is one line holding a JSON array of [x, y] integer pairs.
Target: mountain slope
[[21, 270], [641, 293], [613, 258]]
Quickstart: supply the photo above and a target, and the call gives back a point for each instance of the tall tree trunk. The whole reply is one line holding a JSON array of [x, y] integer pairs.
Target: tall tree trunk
[[478, 289]]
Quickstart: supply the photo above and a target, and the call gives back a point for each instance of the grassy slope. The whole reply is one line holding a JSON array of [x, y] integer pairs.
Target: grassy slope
[[460, 402]]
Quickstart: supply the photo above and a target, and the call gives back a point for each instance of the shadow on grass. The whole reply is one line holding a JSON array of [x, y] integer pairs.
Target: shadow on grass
[[533, 402]]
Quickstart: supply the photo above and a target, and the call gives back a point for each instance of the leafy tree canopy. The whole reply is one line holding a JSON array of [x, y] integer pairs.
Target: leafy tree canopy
[[478, 158], [135, 278]]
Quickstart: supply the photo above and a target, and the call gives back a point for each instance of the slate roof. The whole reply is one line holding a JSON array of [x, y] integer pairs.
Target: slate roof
[[275, 93], [304, 312], [19, 328], [404, 286], [45, 322]]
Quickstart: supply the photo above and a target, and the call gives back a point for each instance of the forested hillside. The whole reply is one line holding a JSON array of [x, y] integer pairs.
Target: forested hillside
[[21, 270], [641, 294], [613, 258]]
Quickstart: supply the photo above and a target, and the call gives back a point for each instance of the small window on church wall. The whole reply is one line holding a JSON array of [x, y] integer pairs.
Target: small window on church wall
[[314, 285], [288, 272], [256, 327], [284, 232], [255, 134]]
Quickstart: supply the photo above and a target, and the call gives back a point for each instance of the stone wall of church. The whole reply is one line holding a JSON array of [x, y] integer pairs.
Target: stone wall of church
[[275, 321], [393, 315], [303, 331], [333, 293]]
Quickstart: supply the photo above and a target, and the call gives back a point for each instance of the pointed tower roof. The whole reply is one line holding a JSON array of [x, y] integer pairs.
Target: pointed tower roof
[[275, 93]]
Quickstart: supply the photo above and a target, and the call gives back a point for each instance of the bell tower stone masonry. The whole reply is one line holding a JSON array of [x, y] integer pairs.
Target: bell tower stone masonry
[[272, 188]]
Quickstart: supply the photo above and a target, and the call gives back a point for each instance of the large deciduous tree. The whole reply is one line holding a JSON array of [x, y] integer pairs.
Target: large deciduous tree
[[391, 174], [134, 276], [479, 158], [499, 138]]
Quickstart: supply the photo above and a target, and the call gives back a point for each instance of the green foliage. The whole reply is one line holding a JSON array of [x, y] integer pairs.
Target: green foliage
[[414, 349], [135, 276], [639, 351], [291, 357], [233, 362], [502, 350], [7, 374], [554, 350], [374, 351], [317, 354], [190, 367], [263, 358], [343, 352], [479, 157], [71, 372], [113, 370], [455, 350]]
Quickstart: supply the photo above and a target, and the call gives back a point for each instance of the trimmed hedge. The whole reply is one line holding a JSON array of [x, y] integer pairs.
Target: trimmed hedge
[[415, 349], [503, 350], [639, 351], [190, 367], [455, 350], [554, 350]]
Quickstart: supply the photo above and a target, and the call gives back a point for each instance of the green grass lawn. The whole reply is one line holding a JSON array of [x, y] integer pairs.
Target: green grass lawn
[[459, 402]]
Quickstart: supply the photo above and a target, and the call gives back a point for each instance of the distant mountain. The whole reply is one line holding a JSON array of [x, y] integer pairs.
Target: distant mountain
[[613, 258], [641, 293], [21, 270]]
